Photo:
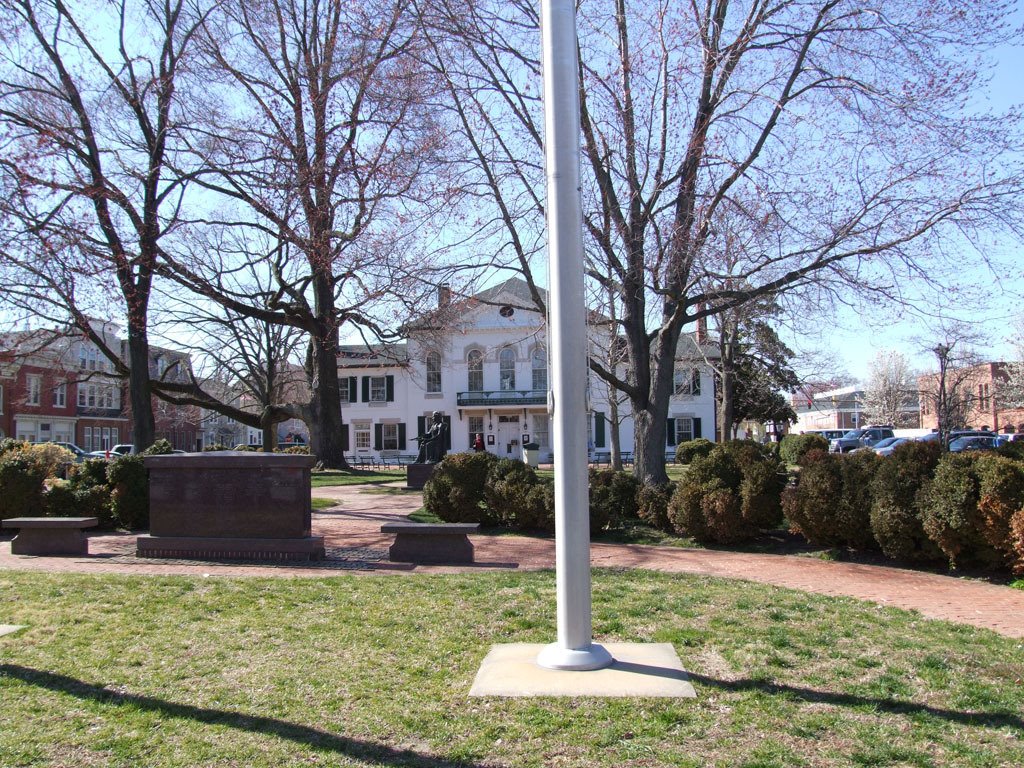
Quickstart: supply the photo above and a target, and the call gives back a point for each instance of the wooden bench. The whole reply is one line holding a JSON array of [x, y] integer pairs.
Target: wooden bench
[[50, 535], [431, 542]]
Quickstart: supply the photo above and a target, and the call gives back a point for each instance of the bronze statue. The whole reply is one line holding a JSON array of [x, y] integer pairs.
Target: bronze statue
[[431, 442]]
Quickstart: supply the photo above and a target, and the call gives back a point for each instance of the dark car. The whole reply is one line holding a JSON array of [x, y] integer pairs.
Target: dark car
[[861, 438], [973, 443]]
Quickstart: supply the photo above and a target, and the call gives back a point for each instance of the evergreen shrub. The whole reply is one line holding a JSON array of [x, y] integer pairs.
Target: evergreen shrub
[[510, 498], [967, 509], [22, 480], [793, 448], [612, 497], [652, 505], [728, 495], [129, 491], [455, 490], [686, 452], [895, 513], [831, 503]]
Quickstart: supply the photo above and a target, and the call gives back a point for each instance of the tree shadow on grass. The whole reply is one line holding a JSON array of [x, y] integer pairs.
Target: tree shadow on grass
[[892, 706], [300, 734]]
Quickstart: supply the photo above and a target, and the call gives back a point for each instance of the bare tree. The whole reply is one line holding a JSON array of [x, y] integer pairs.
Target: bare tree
[[90, 111], [323, 145], [889, 394], [836, 128], [950, 393]]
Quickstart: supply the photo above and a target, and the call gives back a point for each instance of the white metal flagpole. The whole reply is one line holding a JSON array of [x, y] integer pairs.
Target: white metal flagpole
[[574, 649]]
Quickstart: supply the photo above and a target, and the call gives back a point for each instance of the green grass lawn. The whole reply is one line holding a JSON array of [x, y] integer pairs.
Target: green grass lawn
[[375, 671], [356, 477]]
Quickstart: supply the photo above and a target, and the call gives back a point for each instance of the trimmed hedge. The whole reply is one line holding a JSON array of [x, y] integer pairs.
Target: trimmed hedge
[[691, 449], [967, 508], [612, 497], [728, 495], [831, 503], [515, 497], [455, 490], [895, 514], [793, 448], [22, 479], [652, 505]]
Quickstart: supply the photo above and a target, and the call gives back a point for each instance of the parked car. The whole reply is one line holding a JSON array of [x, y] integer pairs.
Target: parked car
[[121, 449], [887, 446], [828, 434], [1012, 437], [972, 443], [958, 433], [80, 455], [861, 438]]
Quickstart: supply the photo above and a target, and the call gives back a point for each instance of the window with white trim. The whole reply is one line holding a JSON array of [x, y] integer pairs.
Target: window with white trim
[[34, 387], [60, 395], [361, 429], [686, 381], [684, 429], [378, 389], [475, 374], [389, 437], [476, 427], [539, 361], [507, 369], [540, 433], [433, 363]]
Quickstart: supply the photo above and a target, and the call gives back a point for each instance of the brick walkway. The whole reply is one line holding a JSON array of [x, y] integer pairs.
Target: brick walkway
[[353, 530]]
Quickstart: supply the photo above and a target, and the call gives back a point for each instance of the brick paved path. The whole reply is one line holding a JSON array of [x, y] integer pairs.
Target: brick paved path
[[355, 527]]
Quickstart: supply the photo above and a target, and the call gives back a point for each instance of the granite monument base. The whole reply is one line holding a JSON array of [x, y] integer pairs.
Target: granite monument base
[[416, 476], [230, 505]]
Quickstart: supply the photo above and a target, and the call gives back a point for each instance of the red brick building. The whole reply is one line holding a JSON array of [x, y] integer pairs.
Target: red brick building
[[975, 401]]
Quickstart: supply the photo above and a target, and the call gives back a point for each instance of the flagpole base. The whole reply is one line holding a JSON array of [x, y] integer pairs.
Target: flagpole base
[[555, 656]]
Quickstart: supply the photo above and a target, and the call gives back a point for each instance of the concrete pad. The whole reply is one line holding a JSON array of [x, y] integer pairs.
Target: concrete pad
[[6, 629], [640, 669]]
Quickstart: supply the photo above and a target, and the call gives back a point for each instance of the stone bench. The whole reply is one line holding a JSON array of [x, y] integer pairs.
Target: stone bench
[[50, 535], [431, 542]]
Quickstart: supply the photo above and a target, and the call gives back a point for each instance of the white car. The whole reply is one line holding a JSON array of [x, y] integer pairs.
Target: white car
[[121, 449]]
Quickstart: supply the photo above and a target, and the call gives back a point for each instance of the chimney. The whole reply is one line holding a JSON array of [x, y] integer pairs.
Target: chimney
[[702, 326], [444, 295]]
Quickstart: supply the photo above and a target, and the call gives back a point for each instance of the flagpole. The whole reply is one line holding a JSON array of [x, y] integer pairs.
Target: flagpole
[[574, 649]]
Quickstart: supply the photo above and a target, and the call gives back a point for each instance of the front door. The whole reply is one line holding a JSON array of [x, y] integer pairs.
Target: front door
[[508, 437]]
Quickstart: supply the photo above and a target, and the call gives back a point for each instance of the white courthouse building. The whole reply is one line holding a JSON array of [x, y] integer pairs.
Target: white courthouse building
[[483, 363]]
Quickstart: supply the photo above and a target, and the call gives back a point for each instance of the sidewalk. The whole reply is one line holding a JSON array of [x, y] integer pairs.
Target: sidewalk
[[355, 545]]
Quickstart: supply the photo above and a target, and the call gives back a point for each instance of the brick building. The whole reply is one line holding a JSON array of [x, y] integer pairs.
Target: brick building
[[974, 396]]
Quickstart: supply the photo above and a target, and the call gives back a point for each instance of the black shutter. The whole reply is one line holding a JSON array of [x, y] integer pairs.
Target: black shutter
[[598, 429], [670, 432], [366, 389], [421, 425], [389, 388], [696, 428], [447, 432], [401, 437], [378, 436], [344, 437], [353, 390]]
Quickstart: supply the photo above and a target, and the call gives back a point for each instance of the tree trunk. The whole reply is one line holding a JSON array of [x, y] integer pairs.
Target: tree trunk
[[143, 423], [649, 448], [325, 406], [615, 438]]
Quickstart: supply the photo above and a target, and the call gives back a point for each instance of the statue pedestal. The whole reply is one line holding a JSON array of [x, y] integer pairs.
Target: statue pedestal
[[416, 476]]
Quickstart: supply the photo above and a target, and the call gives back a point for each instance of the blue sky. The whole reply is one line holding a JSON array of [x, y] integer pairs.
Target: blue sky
[[853, 342]]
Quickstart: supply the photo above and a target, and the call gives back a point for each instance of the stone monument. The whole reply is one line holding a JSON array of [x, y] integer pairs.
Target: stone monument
[[230, 505], [432, 450]]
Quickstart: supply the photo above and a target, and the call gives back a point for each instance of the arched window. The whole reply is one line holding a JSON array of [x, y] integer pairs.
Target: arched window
[[475, 364], [540, 369], [507, 369], [433, 361]]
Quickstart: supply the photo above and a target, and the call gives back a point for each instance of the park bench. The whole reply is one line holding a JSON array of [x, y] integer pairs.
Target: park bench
[[50, 535], [431, 542]]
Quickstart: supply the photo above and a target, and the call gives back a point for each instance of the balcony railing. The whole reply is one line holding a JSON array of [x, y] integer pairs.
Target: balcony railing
[[491, 398]]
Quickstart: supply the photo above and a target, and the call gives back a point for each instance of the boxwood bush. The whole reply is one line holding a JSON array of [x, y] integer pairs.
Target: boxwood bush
[[793, 448], [895, 512], [22, 479], [831, 503], [688, 451], [612, 497], [515, 497], [968, 507], [455, 490], [728, 495], [652, 505]]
